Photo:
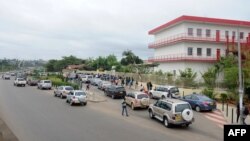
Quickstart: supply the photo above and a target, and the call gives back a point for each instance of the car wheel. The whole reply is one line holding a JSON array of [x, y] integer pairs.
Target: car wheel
[[187, 124], [85, 103], [163, 97], [67, 101], [151, 115], [197, 108], [113, 96], [166, 123], [151, 95], [71, 103]]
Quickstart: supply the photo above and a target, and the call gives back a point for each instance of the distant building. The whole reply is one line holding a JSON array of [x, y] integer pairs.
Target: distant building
[[194, 42], [74, 67]]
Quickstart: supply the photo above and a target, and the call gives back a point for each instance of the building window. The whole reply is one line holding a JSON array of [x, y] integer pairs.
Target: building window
[[241, 35], [199, 51], [208, 32], [226, 34], [199, 32], [208, 51], [233, 33], [190, 51], [190, 31]]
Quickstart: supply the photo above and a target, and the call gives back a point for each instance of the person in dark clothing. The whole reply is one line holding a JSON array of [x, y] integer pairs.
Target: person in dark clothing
[[150, 85], [238, 112], [245, 114], [87, 87], [124, 108]]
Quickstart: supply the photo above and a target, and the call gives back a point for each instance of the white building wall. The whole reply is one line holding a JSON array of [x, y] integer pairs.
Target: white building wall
[[169, 50], [171, 31], [181, 48], [199, 67], [213, 28], [204, 46]]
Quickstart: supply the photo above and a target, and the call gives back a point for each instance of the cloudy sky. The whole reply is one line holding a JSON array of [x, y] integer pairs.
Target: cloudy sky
[[46, 29]]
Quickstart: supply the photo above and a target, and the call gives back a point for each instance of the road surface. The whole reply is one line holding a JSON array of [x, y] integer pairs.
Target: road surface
[[36, 115]]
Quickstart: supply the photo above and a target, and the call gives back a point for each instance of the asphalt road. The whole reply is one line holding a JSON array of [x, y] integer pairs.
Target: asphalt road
[[36, 115]]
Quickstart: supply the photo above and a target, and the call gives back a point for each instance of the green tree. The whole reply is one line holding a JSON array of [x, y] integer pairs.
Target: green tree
[[209, 77], [130, 58], [187, 77]]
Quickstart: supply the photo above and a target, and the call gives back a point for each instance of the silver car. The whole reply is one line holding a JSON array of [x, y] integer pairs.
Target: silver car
[[44, 84], [137, 100], [62, 91], [77, 97], [172, 111]]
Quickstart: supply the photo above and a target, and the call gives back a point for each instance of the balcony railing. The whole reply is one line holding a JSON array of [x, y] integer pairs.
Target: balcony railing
[[194, 38], [184, 57]]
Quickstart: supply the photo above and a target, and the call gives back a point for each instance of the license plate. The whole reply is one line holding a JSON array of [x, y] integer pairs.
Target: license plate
[[178, 118]]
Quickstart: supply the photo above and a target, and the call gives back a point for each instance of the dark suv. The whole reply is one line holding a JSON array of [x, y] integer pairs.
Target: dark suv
[[115, 91]]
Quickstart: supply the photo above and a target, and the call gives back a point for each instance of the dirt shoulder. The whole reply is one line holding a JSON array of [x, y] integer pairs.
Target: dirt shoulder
[[5, 133]]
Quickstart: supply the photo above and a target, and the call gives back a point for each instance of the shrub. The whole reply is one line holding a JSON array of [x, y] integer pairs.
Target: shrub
[[223, 97], [209, 93]]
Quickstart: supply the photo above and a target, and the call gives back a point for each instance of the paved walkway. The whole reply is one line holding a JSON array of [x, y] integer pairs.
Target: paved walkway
[[230, 113]]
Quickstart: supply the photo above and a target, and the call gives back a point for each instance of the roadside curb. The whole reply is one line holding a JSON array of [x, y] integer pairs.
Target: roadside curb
[[96, 101], [94, 98], [5, 133]]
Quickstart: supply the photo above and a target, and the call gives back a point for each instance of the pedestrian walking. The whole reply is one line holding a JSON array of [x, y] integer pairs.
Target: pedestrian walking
[[87, 87], [245, 114], [237, 112], [124, 108]]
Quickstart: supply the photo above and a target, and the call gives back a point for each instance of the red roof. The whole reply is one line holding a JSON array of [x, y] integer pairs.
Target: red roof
[[200, 19]]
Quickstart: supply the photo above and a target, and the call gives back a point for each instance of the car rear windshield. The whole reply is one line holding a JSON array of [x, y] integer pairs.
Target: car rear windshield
[[46, 81], [20, 79], [204, 98], [79, 93], [181, 107], [141, 96], [174, 89], [69, 88], [120, 89]]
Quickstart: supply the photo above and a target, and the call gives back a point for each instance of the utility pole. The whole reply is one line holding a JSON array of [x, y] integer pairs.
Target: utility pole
[[241, 89]]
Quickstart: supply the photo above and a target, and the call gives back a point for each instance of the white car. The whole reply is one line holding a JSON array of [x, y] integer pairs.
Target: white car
[[6, 76], [44, 84], [20, 82], [86, 78], [164, 92], [63, 91], [77, 97]]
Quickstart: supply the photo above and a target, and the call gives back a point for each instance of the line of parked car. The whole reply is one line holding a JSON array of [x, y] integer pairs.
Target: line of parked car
[[170, 108]]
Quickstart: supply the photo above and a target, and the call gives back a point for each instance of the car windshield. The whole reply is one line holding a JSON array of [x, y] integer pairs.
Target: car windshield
[[181, 107], [174, 89], [46, 81], [69, 88], [79, 93], [140, 96]]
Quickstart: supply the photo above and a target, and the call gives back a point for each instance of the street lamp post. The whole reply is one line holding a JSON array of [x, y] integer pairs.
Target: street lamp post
[[241, 89]]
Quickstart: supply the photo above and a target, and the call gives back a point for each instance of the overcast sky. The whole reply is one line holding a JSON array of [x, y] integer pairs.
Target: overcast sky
[[49, 29]]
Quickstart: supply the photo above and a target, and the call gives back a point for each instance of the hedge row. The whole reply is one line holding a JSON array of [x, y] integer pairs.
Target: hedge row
[[59, 82]]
